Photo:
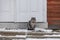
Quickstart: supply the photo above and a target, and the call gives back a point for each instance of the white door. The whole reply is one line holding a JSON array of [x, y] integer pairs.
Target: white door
[[30, 8], [6, 10]]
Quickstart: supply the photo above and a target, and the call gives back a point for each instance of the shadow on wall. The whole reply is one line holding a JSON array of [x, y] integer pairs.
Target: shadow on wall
[[21, 25]]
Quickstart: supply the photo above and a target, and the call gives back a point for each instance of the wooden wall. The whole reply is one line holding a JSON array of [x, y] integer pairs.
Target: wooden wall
[[53, 13]]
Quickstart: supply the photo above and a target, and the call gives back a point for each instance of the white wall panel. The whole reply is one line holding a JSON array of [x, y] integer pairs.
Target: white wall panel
[[22, 10], [7, 10], [30, 8]]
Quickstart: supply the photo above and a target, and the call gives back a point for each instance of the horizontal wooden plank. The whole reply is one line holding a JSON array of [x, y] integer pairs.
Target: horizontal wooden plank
[[52, 0], [53, 11], [53, 14], [54, 8], [52, 22], [53, 18], [53, 4]]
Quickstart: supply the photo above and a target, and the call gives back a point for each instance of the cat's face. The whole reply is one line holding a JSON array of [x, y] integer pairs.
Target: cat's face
[[33, 23]]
